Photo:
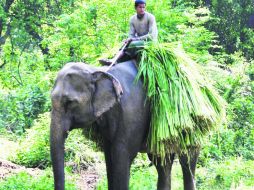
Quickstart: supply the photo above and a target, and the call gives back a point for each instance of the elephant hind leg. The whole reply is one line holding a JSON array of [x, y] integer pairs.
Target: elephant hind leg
[[188, 165], [164, 171]]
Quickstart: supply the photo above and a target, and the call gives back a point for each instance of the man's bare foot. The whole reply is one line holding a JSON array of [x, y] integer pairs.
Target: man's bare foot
[[105, 61]]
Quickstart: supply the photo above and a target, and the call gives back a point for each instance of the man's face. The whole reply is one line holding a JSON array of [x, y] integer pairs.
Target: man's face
[[141, 9]]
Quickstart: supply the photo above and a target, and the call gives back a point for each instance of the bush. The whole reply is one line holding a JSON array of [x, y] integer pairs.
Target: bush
[[34, 150], [240, 96], [80, 152], [20, 107], [24, 181], [34, 146], [234, 173], [229, 174], [237, 138]]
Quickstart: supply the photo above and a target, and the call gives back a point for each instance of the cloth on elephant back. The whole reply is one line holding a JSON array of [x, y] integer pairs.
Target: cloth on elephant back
[[184, 105]]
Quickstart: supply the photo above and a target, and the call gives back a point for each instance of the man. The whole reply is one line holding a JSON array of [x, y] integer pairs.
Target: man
[[142, 24], [142, 28]]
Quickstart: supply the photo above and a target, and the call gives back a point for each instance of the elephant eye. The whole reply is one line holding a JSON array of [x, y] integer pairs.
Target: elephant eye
[[70, 104]]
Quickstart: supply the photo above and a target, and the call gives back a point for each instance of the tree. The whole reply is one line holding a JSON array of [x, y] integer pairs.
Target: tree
[[231, 21], [23, 21]]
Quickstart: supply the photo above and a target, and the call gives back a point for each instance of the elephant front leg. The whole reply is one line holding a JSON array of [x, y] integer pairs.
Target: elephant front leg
[[109, 163], [119, 169]]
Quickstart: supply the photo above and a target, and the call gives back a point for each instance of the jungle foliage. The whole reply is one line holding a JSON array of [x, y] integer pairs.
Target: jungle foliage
[[233, 22], [38, 37]]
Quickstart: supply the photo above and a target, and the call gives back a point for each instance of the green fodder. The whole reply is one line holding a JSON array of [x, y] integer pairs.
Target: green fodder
[[184, 105]]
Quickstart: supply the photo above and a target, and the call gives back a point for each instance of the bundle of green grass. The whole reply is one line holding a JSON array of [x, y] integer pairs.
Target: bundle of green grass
[[185, 107]]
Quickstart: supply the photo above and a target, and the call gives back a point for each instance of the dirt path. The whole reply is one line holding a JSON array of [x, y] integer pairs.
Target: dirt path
[[8, 168], [88, 180]]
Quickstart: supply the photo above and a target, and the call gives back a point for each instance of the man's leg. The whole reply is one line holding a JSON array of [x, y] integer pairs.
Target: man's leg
[[129, 52]]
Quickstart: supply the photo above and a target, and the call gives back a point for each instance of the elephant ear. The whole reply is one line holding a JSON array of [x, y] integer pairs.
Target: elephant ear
[[108, 91]]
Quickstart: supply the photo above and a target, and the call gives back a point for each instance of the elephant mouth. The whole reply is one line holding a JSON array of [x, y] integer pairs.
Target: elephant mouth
[[78, 122]]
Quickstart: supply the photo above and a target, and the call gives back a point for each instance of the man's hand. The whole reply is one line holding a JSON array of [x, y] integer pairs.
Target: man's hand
[[128, 40], [131, 39]]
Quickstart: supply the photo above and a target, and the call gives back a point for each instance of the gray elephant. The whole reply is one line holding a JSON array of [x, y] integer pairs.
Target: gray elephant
[[85, 96]]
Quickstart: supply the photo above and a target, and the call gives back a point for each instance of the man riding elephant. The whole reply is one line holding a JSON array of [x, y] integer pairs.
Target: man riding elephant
[[142, 28], [142, 24]]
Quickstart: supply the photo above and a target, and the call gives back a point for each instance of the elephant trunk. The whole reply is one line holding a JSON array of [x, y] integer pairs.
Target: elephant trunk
[[58, 133]]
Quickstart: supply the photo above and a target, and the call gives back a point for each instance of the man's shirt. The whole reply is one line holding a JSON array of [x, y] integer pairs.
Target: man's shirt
[[144, 28]]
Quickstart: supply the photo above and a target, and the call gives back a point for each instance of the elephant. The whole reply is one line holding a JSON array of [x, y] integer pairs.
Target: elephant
[[85, 96]]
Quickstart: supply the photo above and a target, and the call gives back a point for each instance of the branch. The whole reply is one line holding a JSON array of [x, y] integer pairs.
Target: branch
[[6, 35], [19, 79], [8, 4], [1, 26], [36, 36], [58, 5], [19, 82], [1, 66]]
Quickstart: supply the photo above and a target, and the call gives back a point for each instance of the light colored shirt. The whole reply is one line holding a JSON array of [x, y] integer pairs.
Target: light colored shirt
[[144, 28]]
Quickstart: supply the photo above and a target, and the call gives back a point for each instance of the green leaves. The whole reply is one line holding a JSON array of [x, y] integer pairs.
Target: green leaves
[[24, 181], [34, 151], [88, 31], [18, 109]]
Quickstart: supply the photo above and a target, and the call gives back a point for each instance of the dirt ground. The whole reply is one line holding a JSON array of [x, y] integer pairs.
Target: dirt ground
[[88, 180], [8, 168]]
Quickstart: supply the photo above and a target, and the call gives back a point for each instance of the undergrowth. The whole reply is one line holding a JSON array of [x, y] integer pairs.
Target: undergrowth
[[25, 181], [231, 174], [34, 150]]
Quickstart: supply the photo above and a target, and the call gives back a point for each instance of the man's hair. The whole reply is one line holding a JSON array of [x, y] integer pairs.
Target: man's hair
[[137, 2]]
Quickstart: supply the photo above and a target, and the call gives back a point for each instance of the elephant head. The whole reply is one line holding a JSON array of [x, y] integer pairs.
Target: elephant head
[[81, 94]]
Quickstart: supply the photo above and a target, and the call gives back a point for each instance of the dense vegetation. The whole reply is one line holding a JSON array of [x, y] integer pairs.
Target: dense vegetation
[[38, 37]]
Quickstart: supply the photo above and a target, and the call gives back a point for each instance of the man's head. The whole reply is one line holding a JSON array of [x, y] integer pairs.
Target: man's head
[[140, 6]]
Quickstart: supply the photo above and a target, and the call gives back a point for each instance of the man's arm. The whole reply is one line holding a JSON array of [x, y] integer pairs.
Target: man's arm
[[132, 32]]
